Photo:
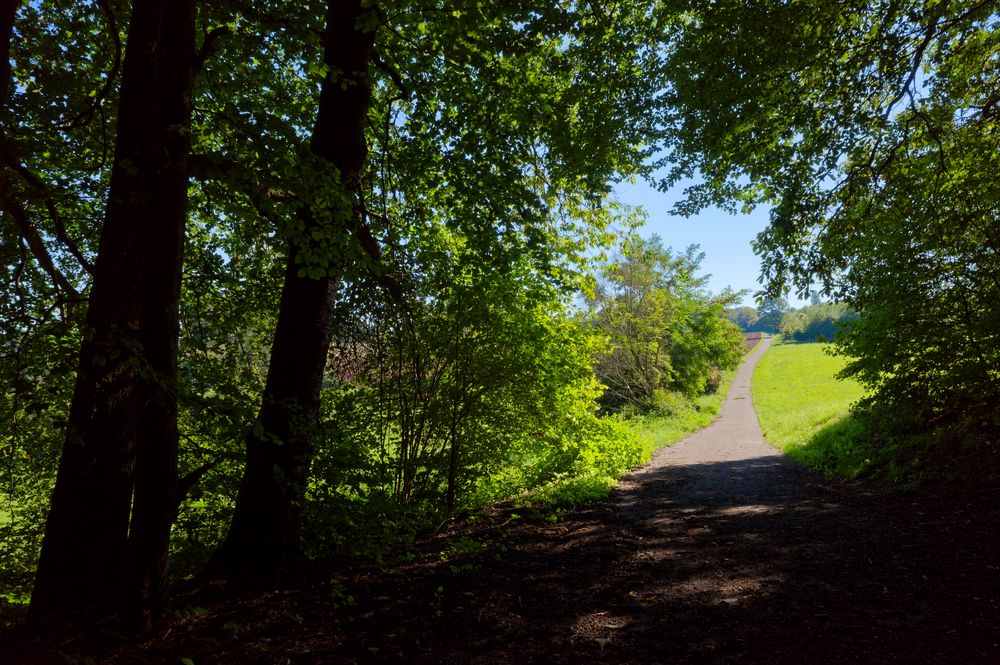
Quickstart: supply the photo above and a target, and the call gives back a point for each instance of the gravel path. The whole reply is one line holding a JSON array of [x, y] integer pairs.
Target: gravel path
[[726, 465]]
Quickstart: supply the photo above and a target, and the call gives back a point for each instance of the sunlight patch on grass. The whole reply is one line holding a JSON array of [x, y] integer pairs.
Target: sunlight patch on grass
[[805, 411]]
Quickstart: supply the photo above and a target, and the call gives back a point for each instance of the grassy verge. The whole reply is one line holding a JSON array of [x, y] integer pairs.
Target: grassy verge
[[653, 433], [664, 431], [805, 412]]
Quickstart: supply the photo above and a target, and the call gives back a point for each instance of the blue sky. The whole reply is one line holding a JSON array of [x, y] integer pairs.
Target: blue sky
[[725, 238]]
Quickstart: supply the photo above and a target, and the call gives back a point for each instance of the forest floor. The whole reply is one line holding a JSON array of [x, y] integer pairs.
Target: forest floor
[[720, 550]]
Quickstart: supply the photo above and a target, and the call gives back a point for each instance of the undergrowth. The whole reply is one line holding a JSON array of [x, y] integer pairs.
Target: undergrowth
[[674, 419]]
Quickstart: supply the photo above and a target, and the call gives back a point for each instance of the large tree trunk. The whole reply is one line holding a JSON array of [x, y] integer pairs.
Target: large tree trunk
[[122, 432], [264, 536]]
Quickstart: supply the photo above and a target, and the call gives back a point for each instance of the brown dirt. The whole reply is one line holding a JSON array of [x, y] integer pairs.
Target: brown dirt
[[718, 551]]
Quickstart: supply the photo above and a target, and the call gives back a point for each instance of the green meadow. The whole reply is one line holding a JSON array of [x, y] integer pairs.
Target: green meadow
[[804, 409]]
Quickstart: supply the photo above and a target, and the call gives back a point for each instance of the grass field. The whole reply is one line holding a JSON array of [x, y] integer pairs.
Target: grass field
[[804, 410]]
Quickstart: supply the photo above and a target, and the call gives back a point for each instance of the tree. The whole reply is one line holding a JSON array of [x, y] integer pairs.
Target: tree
[[42, 264], [819, 322], [926, 339], [437, 396], [496, 127], [513, 183], [8, 11], [745, 317], [666, 333], [770, 312], [264, 536], [108, 526]]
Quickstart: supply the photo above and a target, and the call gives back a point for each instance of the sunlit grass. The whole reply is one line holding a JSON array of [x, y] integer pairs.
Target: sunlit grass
[[654, 433], [659, 432], [805, 411]]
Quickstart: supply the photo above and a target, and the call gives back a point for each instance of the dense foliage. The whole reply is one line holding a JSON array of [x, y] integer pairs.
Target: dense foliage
[[745, 317], [424, 188], [820, 322], [669, 340], [451, 250]]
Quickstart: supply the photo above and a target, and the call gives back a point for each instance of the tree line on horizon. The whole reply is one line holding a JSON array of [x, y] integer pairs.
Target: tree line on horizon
[[816, 322]]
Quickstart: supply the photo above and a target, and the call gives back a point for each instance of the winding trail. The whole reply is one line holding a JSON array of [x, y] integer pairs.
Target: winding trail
[[720, 550], [726, 465]]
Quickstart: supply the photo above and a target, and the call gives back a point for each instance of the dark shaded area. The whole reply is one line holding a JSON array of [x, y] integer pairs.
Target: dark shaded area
[[842, 446], [748, 561]]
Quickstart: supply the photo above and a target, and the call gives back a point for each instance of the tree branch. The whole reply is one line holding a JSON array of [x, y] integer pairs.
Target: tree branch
[[377, 270], [187, 482], [8, 10], [393, 75], [215, 167], [9, 158], [84, 116], [209, 47], [35, 243]]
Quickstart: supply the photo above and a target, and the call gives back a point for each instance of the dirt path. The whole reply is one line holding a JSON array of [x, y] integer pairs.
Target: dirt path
[[719, 551]]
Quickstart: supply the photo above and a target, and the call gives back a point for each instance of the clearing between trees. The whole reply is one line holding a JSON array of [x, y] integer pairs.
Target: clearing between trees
[[720, 550]]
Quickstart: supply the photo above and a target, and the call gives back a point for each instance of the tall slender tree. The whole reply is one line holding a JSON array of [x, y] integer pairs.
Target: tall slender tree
[[264, 536], [108, 527], [509, 120]]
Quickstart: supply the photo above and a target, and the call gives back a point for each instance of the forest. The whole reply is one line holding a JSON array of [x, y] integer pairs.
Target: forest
[[287, 284]]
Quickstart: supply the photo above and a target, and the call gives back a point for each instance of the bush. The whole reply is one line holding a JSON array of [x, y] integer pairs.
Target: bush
[[668, 403]]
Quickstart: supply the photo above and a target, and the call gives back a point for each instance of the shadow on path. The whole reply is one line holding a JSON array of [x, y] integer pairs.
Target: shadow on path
[[720, 550], [669, 573]]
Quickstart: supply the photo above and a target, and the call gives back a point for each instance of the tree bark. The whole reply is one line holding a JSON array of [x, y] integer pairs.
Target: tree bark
[[108, 527], [263, 539], [8, 10]]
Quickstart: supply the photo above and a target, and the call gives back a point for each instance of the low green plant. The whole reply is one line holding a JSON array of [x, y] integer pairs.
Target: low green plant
[[637, 437], [684, 418], [668, 403]]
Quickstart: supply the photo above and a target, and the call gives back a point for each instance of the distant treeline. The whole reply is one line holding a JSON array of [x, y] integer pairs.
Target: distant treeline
[[817, 322]]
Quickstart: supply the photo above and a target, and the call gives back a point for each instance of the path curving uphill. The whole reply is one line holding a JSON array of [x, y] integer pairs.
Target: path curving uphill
[[720, 551], [724, 465]]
